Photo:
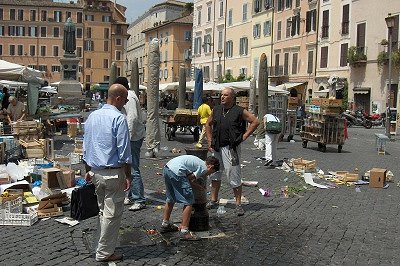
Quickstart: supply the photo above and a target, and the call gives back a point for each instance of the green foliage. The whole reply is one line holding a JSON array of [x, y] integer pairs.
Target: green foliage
[[354, 55], [228, 78], [94, 87], [383, 59], [345, 100], [241, 77]]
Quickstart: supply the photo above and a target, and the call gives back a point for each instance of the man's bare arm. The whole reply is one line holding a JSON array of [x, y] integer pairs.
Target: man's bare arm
[[253, 123]]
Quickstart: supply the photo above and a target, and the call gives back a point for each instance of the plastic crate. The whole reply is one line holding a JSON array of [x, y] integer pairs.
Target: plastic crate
[[18, 219], [11, 206]]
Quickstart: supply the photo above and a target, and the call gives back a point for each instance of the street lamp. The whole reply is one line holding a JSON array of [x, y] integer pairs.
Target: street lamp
[[390, 21], [219, 53], [126, 66]]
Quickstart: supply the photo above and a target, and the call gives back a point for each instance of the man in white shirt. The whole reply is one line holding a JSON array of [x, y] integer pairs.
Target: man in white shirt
[[15, 110], [271, 140]]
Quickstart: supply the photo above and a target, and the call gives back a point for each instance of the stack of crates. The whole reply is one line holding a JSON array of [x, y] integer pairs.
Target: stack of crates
[[11, 213]]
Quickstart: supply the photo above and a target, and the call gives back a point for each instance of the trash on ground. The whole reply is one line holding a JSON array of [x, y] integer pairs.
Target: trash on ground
[[249, 183], [358, 189], [67, 220], [266, 193], [222, 201], [309, 179], [246, 161]]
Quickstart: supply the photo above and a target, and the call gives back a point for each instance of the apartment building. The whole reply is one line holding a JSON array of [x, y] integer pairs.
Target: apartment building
[[155, 16], [32, 35], [175, 40], [221, 38], [333, 44]]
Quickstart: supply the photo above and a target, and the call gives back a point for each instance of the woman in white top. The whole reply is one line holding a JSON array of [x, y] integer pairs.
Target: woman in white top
[[271, 140]]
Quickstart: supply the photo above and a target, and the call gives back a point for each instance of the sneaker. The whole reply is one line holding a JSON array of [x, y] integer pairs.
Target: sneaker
[[211, 204], [198, 145], [113, 257], [189, 236], [239, 210], [169, 228], [268, 162], [127, 201], [137, 206]]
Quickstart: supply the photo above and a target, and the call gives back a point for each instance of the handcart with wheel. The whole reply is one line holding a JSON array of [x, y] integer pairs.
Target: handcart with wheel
[[185, 119], [278, 106]]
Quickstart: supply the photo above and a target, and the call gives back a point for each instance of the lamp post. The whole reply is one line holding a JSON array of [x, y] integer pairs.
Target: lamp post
[[219, 53], [390, 21], [126, 66]]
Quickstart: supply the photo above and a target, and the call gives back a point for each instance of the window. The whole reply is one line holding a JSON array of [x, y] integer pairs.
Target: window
[[325, 24], [267, 28], [295, 25], [244, 46], [20, 49], [279, 31], [310, 65], [243, 71], [106, 33], [20, 31], [244, 16], [42, 68], [230, 17], [166, 56], [118, 41], [197, 45], [161, 57], [229, 49], [256, 31], [220, 39], [208, 13], [324, 57], [345, 20], [276, 64], [187, 54], [106, 18], [286, 64], [43, 32], [311, 20], [288, 27], [288, 4], [206, 72], [43, 15], [343, 54], [20, 14], [68, 14], [268, 4], [294, 63], [87, 78], [1, 30], [33, 31], [89, 33], [56, 32], [257, 6], [88, 63], [79, 33], [361, 38], [165, 73], [198, 17], [1, 49], [188, 35], [255, 68], [55, 68], [221, 9], [12, 49], [297, 3], [11, 31], [207, 43], [89, 17], [42, 50], [32, 15], [280, 5], [118, 55], [12, 14], [32, 50], [79, 51], [1, 15], [79, 17], [106, 45], [56, 50], [105, 63], [57, 16], [89, 45]]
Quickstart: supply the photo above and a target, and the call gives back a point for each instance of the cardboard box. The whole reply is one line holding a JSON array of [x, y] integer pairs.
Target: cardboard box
[[293, 100], [69, 177], [49, 177], [377, 177], [316, 101]]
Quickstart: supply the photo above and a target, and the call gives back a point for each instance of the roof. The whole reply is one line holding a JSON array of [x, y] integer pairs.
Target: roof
[[38, 3], [182, 20], [171, 2]]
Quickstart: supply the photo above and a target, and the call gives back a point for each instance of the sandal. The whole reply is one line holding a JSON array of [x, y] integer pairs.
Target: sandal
[[169, 228], [189, 236]]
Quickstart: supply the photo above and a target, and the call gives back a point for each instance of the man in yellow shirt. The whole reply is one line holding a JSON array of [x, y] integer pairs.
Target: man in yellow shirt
[[204, 111]]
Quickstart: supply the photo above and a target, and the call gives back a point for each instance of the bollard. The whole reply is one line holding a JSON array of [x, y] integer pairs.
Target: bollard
[[199, 220]]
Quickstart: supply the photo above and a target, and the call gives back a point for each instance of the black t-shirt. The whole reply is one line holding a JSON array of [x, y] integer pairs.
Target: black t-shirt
[[5, 102]]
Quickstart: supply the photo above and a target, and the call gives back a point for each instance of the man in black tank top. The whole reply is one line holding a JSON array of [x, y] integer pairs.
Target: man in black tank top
[[226, 129]]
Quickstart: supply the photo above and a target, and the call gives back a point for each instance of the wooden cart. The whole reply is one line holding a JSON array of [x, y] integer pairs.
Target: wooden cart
[[185, 119]]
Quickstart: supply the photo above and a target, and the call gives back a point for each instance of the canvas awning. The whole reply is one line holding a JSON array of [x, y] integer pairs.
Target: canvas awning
[[361, 90], [289, 85]]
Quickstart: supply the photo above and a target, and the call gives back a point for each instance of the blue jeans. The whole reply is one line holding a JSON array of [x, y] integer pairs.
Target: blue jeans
[[136, 192]]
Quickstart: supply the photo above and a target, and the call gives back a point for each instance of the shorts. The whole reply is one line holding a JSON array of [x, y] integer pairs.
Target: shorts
[[233, 172], [178, 188]]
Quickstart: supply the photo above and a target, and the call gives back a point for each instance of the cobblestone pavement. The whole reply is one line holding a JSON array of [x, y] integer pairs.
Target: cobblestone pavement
[[315, 227]]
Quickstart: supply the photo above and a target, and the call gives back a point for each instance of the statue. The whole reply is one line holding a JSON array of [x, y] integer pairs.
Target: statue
[[69, 44]]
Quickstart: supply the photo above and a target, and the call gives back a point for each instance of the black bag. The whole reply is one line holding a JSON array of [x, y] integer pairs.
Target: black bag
[[84, 202]]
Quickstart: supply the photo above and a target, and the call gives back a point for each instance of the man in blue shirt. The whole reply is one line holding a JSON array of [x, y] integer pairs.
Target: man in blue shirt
[[107, 153]]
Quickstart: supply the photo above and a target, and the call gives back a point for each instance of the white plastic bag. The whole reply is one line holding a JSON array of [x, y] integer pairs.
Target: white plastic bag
[[16, 172]]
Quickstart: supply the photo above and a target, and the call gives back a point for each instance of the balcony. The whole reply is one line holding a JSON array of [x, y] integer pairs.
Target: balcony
[[357, 56]]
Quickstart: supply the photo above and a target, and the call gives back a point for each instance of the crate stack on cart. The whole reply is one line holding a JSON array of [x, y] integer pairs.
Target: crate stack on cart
[[323, 124]]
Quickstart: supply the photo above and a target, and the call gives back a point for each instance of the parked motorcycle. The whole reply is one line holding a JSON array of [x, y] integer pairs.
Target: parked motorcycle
[[356, 118], [376, 119]]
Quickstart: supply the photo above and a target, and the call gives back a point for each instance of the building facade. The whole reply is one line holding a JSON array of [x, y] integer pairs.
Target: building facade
[[32, 34], [155, 16], [175, 47]]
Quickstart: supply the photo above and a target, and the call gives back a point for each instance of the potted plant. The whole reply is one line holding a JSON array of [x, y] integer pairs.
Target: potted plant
[[383, 59], [355, 56]]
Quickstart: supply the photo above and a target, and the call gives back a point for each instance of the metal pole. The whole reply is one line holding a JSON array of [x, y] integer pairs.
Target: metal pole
[[389, 85], [219, 70]]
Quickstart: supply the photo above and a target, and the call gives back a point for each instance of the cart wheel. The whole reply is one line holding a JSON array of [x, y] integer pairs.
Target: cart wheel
[[320, 146], [169, 133], [280, 139], [196, 134], [304, 144], [323, 148], [339, 149], [289, 138]]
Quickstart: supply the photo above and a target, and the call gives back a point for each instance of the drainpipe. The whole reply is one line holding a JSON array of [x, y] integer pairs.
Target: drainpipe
[[213, 46], [316, 42], [226, 13]]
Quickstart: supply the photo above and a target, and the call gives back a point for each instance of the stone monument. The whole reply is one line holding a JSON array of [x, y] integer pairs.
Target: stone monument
[[69, 85]]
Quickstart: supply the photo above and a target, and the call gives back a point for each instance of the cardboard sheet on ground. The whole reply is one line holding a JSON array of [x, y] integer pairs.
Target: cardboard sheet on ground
[[308, 178], [66, 220], [17, 185], [233, 201]]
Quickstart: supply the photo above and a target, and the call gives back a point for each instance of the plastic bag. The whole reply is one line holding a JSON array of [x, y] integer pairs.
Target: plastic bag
[[16, 172]]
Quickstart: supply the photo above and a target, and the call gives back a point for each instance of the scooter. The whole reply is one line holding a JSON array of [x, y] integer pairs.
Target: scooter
[[376, 119], [356, 119]]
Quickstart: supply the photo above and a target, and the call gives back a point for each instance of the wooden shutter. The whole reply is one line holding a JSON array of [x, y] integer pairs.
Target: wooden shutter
[[343, 54], [361, 37], [324, 57], [345, 20], [286, 64], [308, 21], [294, 63], [310, 65]]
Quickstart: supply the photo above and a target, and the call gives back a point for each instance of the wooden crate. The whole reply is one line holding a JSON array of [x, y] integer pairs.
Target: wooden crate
[[300, 164]]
